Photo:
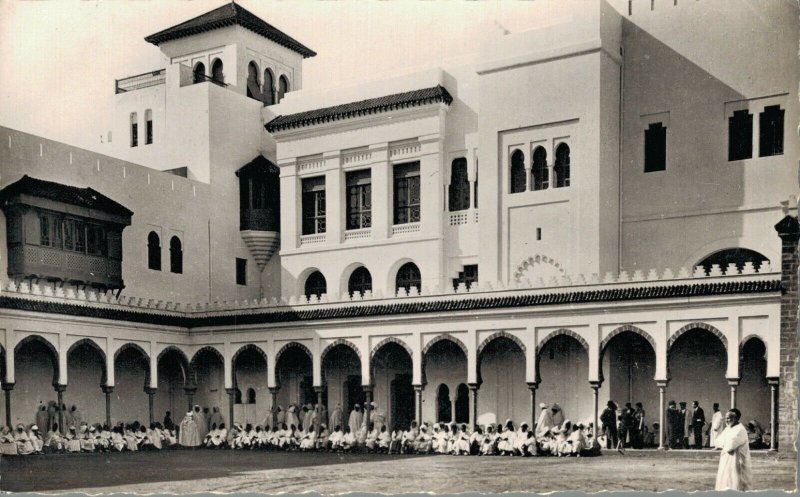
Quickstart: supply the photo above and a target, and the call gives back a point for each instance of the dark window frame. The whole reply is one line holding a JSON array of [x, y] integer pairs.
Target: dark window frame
[[655, 147], [358, 199], [518, 181], [407, 193], [175, 255], [360, 280], [561, 169], [468, 275], [315, 284], [408, 275], [241, 271], [740, 135], [313, 209], [770, 131], [153, 251], [458, 192], [540, 174]]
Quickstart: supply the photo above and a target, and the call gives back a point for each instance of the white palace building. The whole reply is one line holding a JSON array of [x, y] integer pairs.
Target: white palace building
[[586, 211]]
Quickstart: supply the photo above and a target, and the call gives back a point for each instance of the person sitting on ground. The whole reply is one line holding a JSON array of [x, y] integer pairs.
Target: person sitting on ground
[[384, 439], [73, 441], [118, 443], [258, 440], [24, 445], [371, 440], [322, 438], [461, 442], [53, 441], [529, 446], [488, 446], [36, 439], [211, 434], [409, 440], [144, 441], [576, 441], [755, 435], [424, 441], [349, 440], [336, 439], [86, 438], [308, 440], [8, 446], [396, 441], [475, 440]]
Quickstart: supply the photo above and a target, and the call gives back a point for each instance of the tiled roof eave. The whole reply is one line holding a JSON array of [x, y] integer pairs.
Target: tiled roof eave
[[395, 307]]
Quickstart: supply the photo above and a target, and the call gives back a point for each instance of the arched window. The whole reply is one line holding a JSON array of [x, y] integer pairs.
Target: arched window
[[539, 178], [199, 73], [175, 255], [283, 87], [458, 192], [134, 129], [360, 281], [561, 168], [738, 256], [268, 95], [251, 396], [316, 284], [517, 172], [153, 251], [216, 71], [253, 85], [237, 397], [407, 276]]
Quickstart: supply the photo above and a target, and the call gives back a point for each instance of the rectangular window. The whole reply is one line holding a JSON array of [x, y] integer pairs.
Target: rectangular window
[[359, 200], [406, 193], [95, 239], [49, 231], [241, 271], [740, 135], [134, 134], [313, 192], [148, 130], [770, 124], [458, 191], [469, 276], [74, 235], [655, 148]]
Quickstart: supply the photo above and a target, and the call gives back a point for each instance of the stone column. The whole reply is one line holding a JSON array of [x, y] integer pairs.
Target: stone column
[[107, 391], [532, 387], [773, 413], [662, 393], [418, 403], [60, 391], [733, 383], [273, 392], [473, 415], [595, 385], [7, 388], [368, 392], [151, 393], [789, 231], [231, 401], [320, 391], [190, 391], [453, 409]]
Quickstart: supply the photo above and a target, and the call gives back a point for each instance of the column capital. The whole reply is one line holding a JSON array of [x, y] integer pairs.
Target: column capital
[[734, 382], [533, 385], [662, 383], [230, 391], [319, 389], [150, 390], [7, 387], [596, 384], [368, 388], [274, 390], [418, 388], [107, 388], [60, 388], [788, 229], [474, 386], [190, 390], [773, 380]]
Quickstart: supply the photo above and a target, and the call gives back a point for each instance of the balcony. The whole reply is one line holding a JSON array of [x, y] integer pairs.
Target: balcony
[[140, 81], [259, 220], [52, 263]]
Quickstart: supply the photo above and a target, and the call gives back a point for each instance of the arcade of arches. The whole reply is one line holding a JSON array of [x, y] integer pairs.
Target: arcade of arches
[[498, 389]]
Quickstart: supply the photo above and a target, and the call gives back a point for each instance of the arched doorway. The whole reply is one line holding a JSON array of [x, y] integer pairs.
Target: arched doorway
[[753, 393], [199, 73], [444, 407], [86, 370], [341, 371], [563, 365], [628, 367], [173, 373], [503, 391], [444, 363], [35, 372], [250, 376], [462, 404], [392, 375], [208, 376], [131, 374], [293, 370], [697, 362]]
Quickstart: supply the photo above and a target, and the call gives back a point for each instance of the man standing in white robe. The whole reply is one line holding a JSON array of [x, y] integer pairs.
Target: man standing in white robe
[[545, 422], [356, 418], [189, 436], [735, 472], [717, 425], [200, 422]]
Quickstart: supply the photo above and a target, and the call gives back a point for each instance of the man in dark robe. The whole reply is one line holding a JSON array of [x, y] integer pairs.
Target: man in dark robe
[[609, 420]]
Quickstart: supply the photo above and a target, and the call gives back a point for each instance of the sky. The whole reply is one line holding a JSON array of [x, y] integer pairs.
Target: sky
[[59, 58]]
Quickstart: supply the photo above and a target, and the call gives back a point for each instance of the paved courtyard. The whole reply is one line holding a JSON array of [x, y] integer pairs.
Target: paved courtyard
[[228, 471]]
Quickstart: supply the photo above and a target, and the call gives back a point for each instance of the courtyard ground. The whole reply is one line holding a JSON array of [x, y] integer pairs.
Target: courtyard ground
[[234, 471]]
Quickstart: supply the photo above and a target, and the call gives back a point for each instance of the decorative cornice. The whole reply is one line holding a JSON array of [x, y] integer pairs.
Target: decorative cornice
[[421, 305], [370, 106]]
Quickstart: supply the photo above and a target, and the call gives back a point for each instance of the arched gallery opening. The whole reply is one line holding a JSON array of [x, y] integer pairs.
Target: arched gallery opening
[[628, 366], [294, 375], [503, 392], [35, 371], [341, 371], [697, 361], [129, 401], [173, 376], [250, 378], [753, 392], [392, 376], [86, 376], [563, 365], [209, 379], [444, 368]]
